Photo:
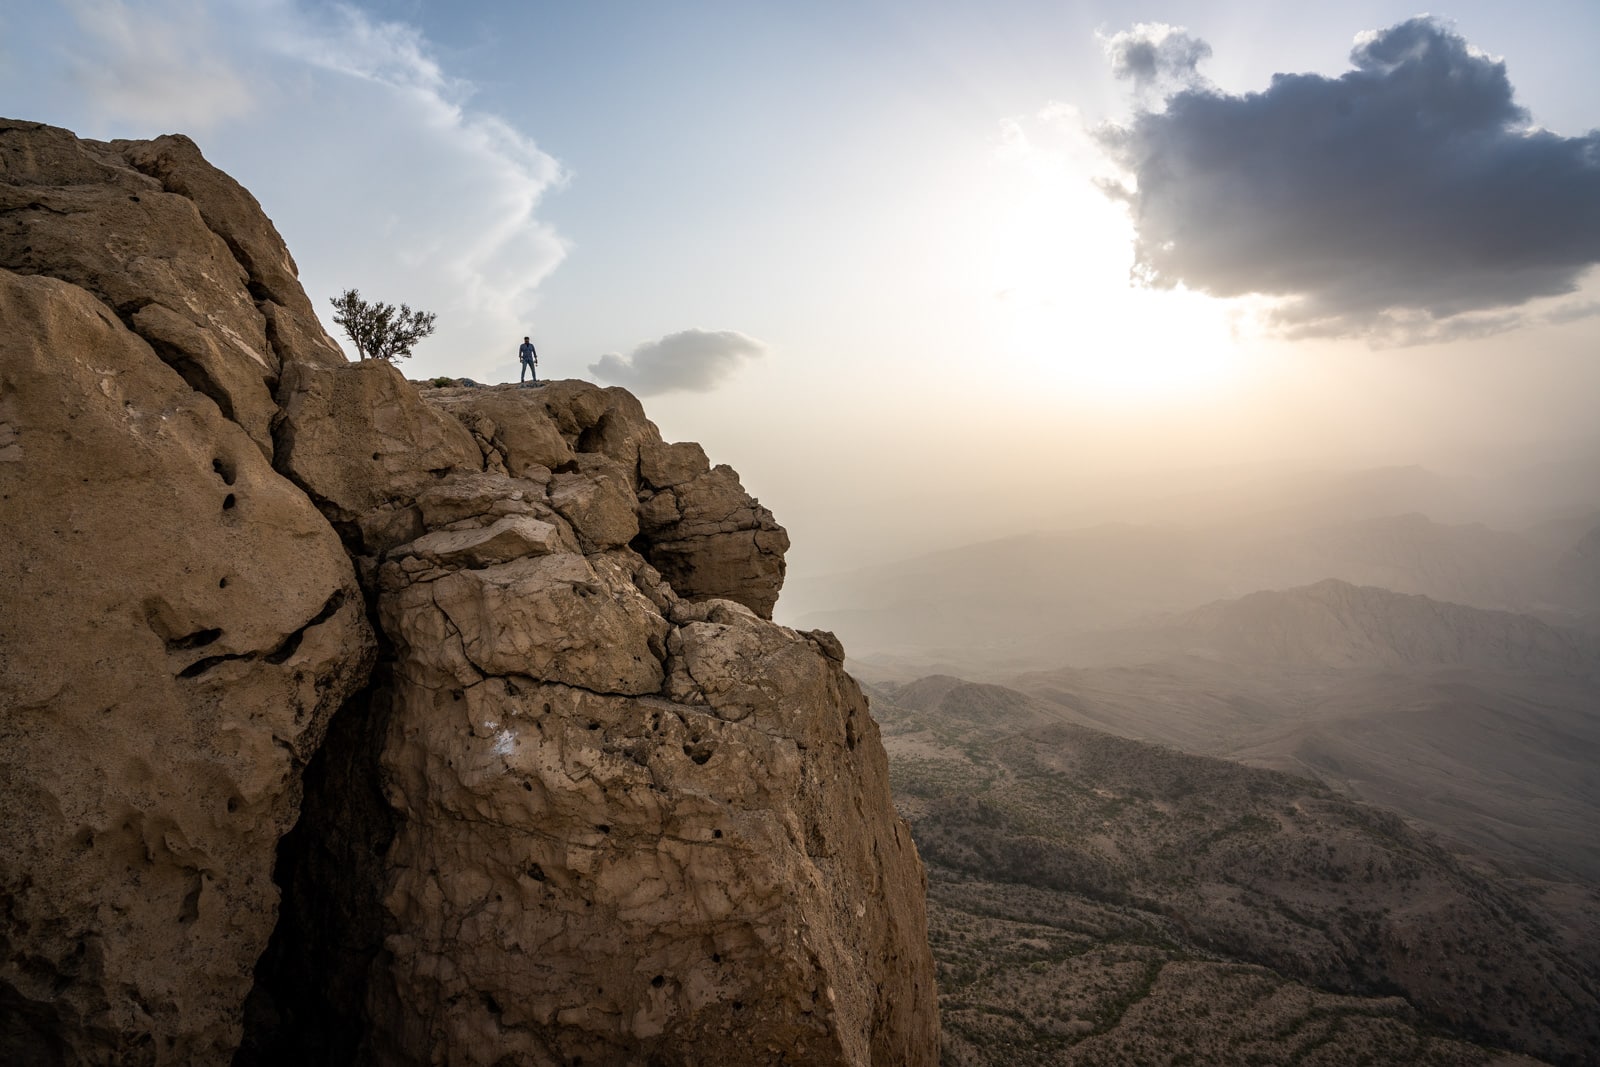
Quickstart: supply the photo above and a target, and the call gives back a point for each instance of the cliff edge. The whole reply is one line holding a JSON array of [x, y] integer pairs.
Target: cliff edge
[[349, 721]]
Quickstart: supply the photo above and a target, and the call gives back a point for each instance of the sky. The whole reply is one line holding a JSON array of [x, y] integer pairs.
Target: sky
[[923, 273]]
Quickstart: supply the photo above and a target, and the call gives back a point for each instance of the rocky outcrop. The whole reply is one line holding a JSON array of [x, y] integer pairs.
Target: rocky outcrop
[[181, 624], [580, 799], [151, 229], [623, 485]]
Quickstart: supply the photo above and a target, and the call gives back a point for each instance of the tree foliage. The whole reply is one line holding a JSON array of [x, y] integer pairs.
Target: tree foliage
[[380, 331]]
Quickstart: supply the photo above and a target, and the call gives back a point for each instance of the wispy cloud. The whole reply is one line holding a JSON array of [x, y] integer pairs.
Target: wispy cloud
[[1407, 200], [694, 361], [368, 154], [155, 63]]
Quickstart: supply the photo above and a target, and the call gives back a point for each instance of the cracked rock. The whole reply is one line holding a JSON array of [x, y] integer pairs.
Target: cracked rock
[[578, 799], [189, 624]]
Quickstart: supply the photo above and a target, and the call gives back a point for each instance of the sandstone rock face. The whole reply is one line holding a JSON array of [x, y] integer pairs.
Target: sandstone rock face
[[714, 873], [360, 441], [181, 625], [580, 798], [694, 523], [150, 228]]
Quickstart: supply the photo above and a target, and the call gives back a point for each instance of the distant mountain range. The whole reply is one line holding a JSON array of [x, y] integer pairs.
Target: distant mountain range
[[998, 608], [1337, 625], [1484, 725]]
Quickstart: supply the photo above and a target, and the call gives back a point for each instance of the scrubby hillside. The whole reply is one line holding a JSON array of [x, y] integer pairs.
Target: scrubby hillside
[[1097, 898]]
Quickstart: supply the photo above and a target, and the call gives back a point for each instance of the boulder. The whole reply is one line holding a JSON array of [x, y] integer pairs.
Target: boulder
[[509, 538], [362, 443], [186, 624], [711, 874], [561, 618], [618, 484], [710, 539], [158, 234]]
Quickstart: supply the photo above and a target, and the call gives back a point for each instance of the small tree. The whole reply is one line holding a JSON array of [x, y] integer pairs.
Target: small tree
[[378, 330]]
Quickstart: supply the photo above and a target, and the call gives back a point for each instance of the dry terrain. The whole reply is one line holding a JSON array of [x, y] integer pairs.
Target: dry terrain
[[1100, 900]]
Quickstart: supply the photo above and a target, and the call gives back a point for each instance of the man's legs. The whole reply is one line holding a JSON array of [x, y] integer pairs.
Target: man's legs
[[524, 375]]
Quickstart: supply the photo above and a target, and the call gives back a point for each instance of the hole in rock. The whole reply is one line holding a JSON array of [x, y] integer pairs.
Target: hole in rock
[[224, 469], [377, 456], [222, 583], [658, 981], [603, 828], [716, 957], [190, 911], [228, 502], [198, 639], [528, 786], [492, 1005], [716, 833], [589, 439], [536, 872], [233, 804], [200, 666]]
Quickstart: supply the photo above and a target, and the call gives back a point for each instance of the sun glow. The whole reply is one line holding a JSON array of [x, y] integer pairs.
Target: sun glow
[[1057, 252]]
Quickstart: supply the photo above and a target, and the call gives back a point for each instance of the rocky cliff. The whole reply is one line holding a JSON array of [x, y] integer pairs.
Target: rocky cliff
[[347, 721]]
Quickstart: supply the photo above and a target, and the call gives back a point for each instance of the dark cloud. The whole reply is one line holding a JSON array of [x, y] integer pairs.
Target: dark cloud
[[1406, 192], [694, 361]]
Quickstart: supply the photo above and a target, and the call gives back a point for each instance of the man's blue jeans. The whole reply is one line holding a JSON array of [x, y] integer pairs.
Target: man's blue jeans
[[529, 367]]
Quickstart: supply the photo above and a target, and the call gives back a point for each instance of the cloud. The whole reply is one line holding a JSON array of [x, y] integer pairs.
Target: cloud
[[694, 361], [128, 64], [1154, 55], [368, 155], [1409, 191]]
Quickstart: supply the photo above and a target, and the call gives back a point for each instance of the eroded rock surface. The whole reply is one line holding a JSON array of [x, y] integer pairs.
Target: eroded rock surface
[[181, 625], [151, 229], [712, 873], [580, 799], [620, 483]]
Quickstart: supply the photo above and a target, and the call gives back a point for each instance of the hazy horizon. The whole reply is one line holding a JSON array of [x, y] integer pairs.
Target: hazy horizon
[[877, 257]]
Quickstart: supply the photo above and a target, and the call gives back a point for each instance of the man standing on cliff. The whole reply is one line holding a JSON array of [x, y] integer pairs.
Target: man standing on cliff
[[530, 361]]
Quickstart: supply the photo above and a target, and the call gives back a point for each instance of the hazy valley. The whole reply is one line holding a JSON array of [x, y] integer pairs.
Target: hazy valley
[[1394, 860]]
